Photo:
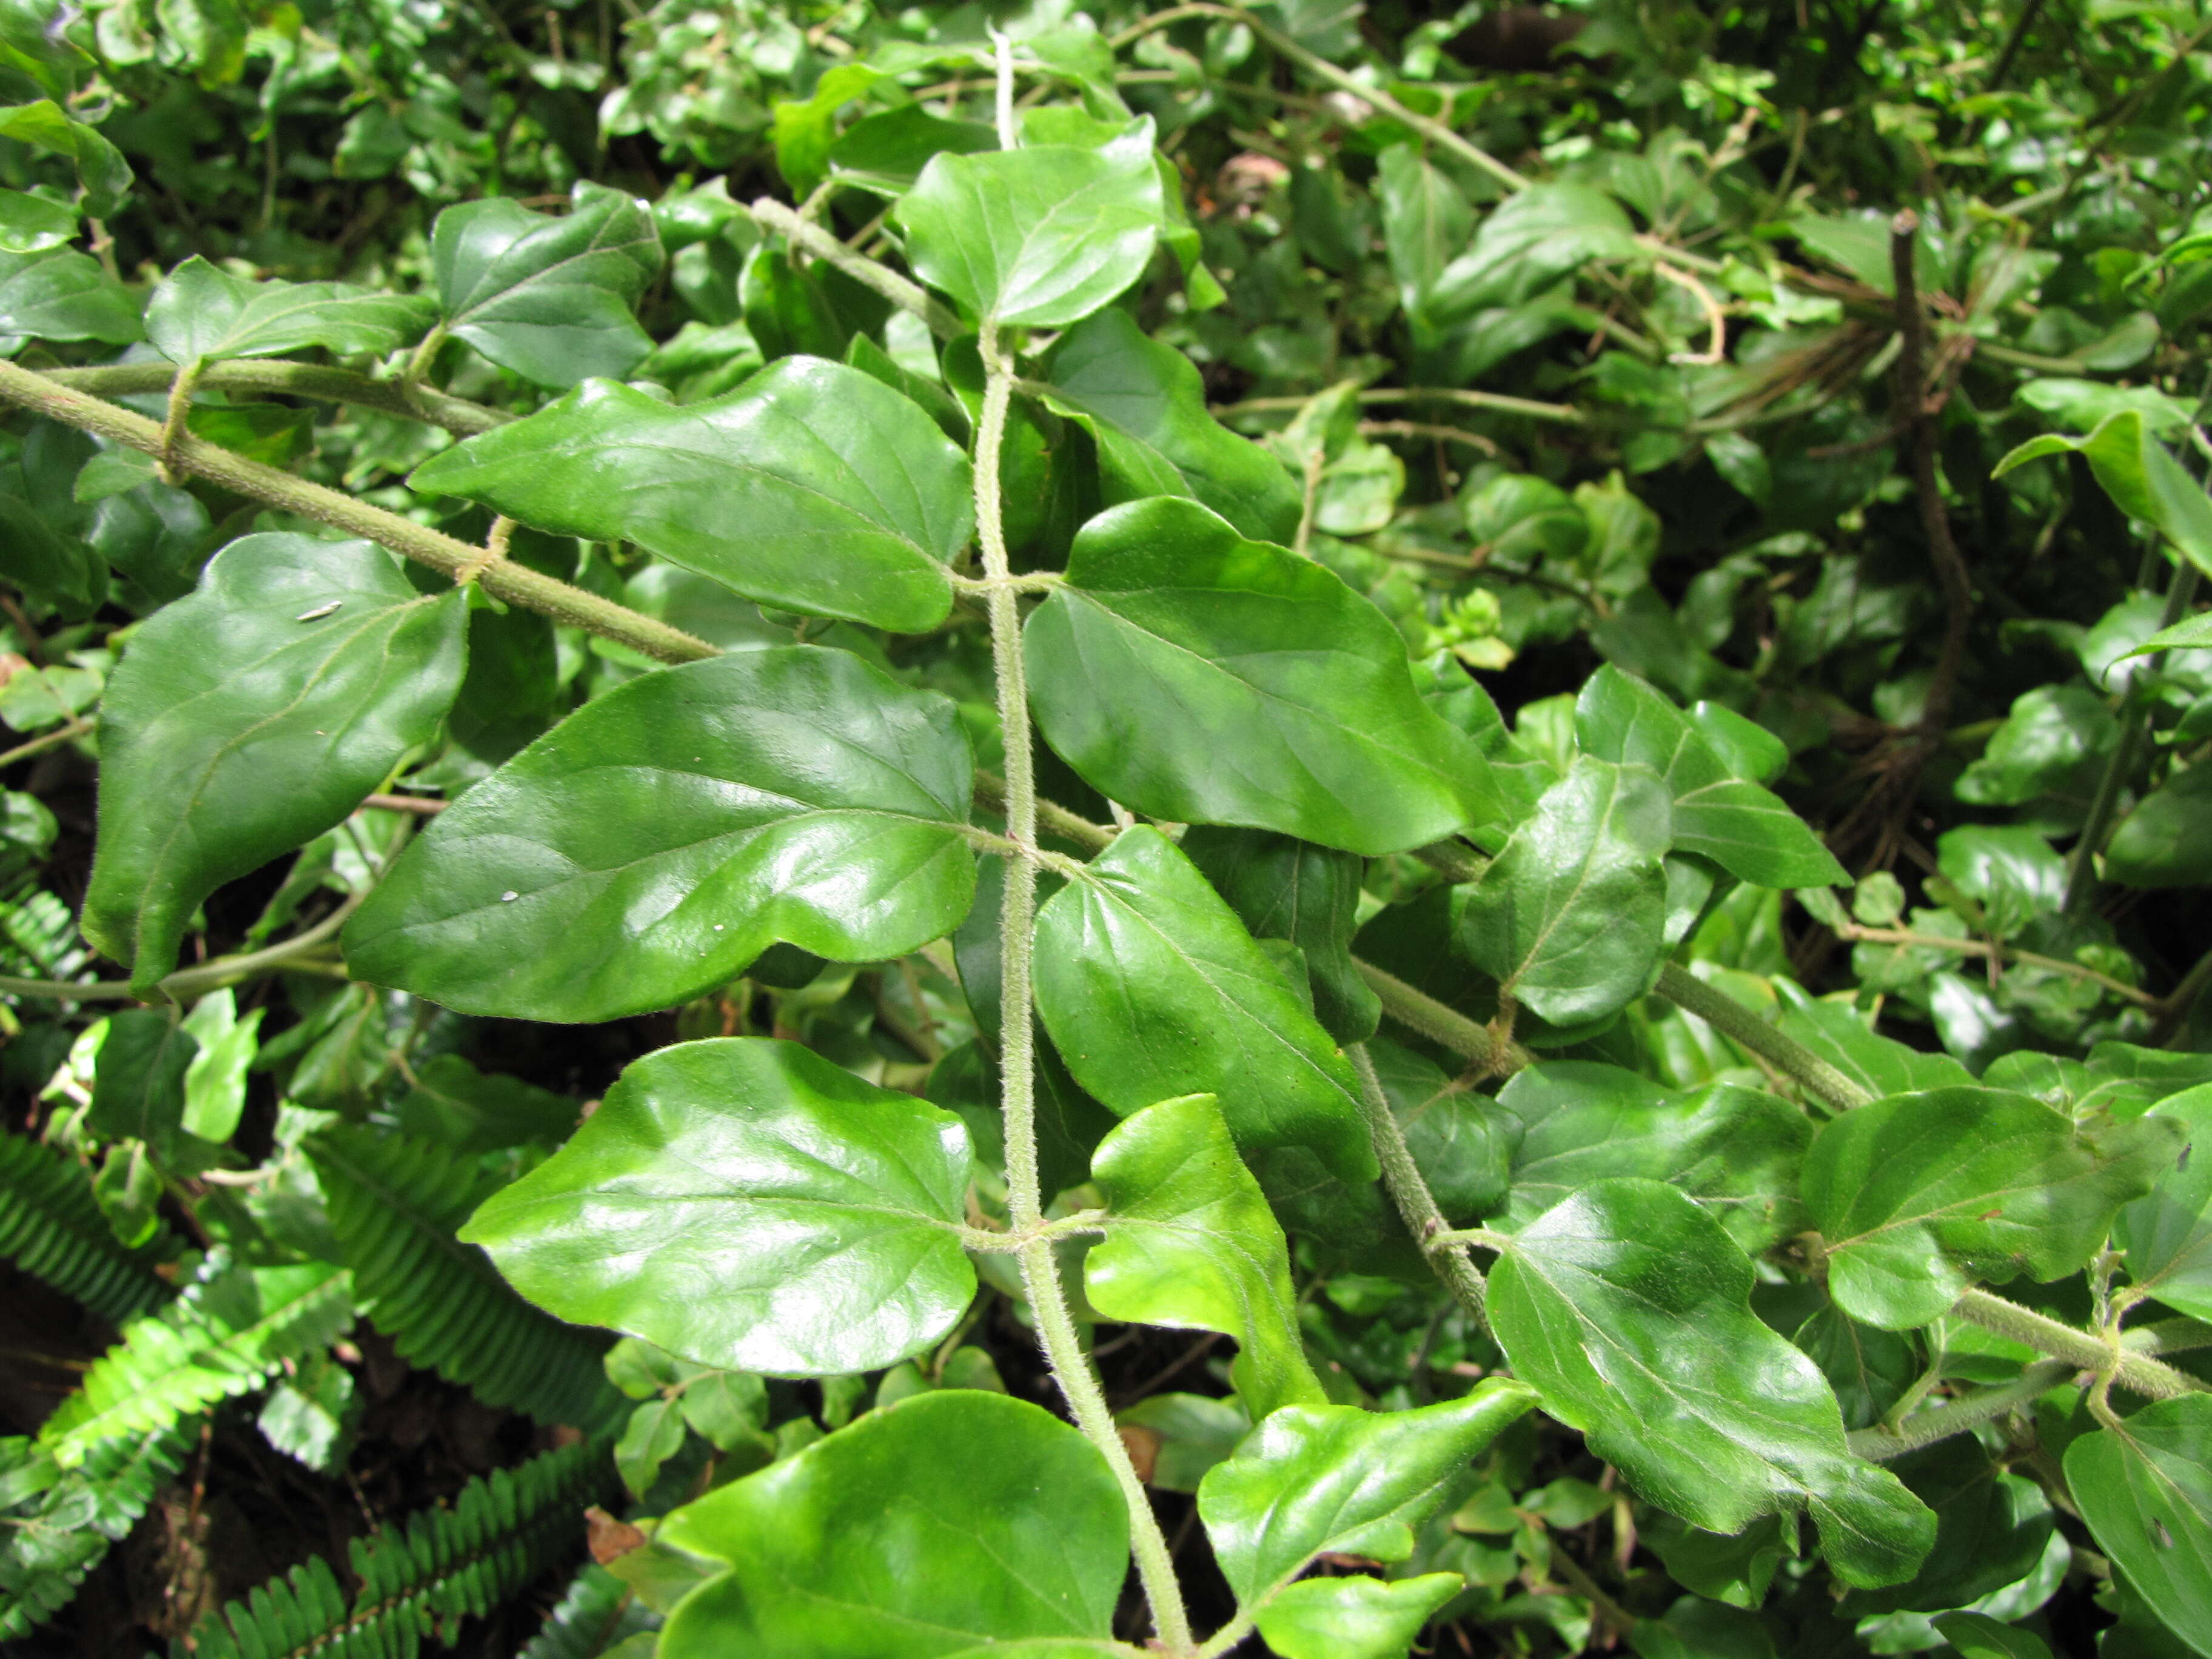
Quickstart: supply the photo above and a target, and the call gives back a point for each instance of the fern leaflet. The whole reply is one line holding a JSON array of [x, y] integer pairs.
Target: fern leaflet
[[222, 1336], [395, 1204], [595, 1613], [55, 1525], [442, 1567], [50, 1224]]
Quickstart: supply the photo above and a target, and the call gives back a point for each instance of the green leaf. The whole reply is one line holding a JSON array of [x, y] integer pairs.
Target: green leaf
[[1977, 1635], [251, 716], [1144, 403], [31, 223], [2145, 1488], [101, 171], [1150, 988], [1285, 889], [2009, 870], [1991, 1529], [2167, 841], [215, 1084], [1569, 917], [1919, 1196], [1356, 1617], [62, 295], [2055, 741], [2141, 475], [52, 1227], [1627, 1306], [2167, 1235], [1039, 237], [957, 1519], [1739, 825], [199, 312], [1176, 641], [1734, 1150], [453, 1103], [548, 298], [813, 487], [649, 848], [805, 131], [1426, 224], [1334, 1479], [745, 1203], [1190, 1241], [139, 1082]]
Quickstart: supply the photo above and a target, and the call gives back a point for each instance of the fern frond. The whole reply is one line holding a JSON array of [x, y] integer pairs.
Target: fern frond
[[50, 1224], [395, 1205], [596, 1612], [60, 1524], [222, 1336], [442, 1567]]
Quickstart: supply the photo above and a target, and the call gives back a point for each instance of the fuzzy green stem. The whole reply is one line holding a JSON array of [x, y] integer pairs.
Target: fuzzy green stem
[[901, 291], [173, 424], [1418, 1011], [1880, 1444], [1564, 414], [2082, 1350], [509, 580], [1047, 1298], [280, 377], [1409, 1192], [1747, 1029]]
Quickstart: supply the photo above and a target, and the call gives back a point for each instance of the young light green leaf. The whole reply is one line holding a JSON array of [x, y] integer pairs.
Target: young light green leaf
[[1736, 1151], [957, 1518], [215, 1084], [746, 1204], [1144, 404], [251, 716], [813, 487], [1037, 237], [1190, 1241], [1151, 987], [1628, 1308], [1734, 820], [1176, 641], [2145, 1488], [1920, 1195], [1285, 889], [1318, 1479], [200, 313], [548, 298], [1355, 1618], [2167, 1235], [649, 848], [1569, 917]]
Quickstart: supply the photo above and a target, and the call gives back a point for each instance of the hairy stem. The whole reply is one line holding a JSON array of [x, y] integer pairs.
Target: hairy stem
[[901, 291], [513, 582], [1409, 1192], [278, 376], [1047, 1298], [1879, 1445], [2082, 1350], [1417, 1011], [1747, 1030]]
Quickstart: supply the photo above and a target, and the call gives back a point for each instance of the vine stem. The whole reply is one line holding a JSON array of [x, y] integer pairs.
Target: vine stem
[[2082, 1350], [288, 378], [1417, 1011], [1880, 1445], [1409, 1191], [1747, 1029], [1048, 1296], [509, 580]]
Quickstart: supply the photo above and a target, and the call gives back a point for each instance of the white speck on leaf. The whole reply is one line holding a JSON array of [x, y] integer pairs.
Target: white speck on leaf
[[510, 897], [320, 612]]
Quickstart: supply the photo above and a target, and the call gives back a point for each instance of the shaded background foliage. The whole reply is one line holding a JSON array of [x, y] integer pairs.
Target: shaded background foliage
[[1644, 414]]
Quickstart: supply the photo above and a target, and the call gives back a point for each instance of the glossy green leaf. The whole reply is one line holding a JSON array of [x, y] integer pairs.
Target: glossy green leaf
[[453, 1103], [199, 313], [1356, 1617], [1285, 889], [1977, 1635], [547, 297], [2145, 1488], [813, 487], [1190, 1241], [250, 717], [1918, 1196], [215, 1084], [32, 223], [1626, 1307], [2055, 741], [649, 848], [1037, 237], [1175, 642], [745, 1203], [2167, 841], [1990, 1530], [1739, 825], [138, 1082], [101, 171], [2141, 475], [1568, 918], [1312, 1479], [1150, 988], [1736, 1151], [1144, 405], [63, 295], [957, 1519], [2009, 870], [2167, 1235]]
